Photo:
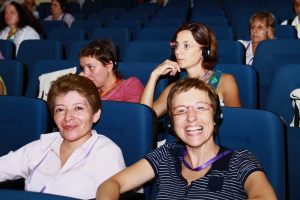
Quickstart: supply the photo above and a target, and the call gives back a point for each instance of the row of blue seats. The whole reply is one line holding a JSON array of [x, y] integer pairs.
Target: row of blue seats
[[12, 72], [84, 29], [230, 52], [269, 55]]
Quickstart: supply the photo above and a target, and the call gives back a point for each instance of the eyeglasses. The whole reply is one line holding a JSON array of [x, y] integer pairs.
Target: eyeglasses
[[186, 45], [197, 107]]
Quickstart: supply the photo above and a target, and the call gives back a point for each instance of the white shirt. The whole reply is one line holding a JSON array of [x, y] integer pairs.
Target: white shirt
[[249, 53], [26, 33], [295, 23], [39, 163], [66, 17]]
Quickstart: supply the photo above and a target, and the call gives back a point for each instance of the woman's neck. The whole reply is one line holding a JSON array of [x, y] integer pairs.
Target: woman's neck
[[12, 28], [57, 16], [68, 147], [254, 45], [110, 84], [198, 72], [198, 156]]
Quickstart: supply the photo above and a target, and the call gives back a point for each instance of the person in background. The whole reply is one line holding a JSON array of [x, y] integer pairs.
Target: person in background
[[31, 6], [196, 167], [262, 27], [98, 61], [1, 56], [75, 160], [296, 20], [1, 5], [58, 12], [2, 87], [17, 25], [195, 48]]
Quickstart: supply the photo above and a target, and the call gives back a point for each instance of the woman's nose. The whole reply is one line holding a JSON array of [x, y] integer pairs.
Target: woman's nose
[[68, 115], [191, 114]]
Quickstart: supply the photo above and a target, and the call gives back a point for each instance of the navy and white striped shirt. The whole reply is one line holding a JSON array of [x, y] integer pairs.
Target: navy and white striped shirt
[[225, 179]]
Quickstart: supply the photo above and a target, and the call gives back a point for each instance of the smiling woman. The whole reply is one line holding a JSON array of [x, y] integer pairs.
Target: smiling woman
[[72, 157], [195, 168]]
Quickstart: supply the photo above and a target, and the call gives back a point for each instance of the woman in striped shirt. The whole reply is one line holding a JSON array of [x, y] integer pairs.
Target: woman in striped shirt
[[194, 168]]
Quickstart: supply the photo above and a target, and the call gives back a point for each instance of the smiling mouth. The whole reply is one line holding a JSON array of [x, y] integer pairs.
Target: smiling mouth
[[194, 129], [69, 127]]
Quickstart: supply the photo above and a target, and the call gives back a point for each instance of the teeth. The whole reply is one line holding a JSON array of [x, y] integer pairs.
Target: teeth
[[194, 128]]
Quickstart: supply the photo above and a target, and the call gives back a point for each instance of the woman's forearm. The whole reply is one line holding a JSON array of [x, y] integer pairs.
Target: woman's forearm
[[108, 190], [148, 93]]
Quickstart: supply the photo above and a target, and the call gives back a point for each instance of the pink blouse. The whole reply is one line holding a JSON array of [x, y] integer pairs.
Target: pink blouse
[[129, 90]]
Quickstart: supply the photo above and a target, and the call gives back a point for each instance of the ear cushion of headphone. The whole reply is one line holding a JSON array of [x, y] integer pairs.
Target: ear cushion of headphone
[[205, 52], [218, 116], [64, 8]]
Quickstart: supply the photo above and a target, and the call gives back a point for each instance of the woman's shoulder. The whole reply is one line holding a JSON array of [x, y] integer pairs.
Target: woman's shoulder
[[28, 28], [133, 79], [102, 141], [29, 32], [69, 15], [225, 78], [166, 151], [245, 42], [6, 28], [44, 142], [49, 17], [170, 148], [244, 156]]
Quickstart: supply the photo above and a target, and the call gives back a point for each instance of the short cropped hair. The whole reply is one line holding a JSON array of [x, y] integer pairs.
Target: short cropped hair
[[103, 51], [186, 84], [74, 82], [266, 17]]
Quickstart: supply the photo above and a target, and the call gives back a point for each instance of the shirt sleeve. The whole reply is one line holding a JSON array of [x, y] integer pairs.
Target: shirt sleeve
[[15, 164], [109, 162], [244, 42], [69, 19], [284, 22], [247, 164], [30, 34], [157, 157]]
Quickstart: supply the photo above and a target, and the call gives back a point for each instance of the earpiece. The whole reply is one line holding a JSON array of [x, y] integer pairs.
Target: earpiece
[[63, 5], [218, 115], [206, 52]]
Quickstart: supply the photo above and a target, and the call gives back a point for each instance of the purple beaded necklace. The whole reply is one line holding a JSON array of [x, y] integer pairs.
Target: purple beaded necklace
[[206, 164]]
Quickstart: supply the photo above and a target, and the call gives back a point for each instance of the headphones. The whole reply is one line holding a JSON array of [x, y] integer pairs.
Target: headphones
[[63, 5], [206, 52], [218, 115]]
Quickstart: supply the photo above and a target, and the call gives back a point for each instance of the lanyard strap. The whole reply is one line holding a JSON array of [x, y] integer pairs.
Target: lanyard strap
[[206, 164]]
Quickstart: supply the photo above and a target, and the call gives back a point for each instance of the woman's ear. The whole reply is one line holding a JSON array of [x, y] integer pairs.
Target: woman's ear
[[270, 33], [96, 116], [110, 65]]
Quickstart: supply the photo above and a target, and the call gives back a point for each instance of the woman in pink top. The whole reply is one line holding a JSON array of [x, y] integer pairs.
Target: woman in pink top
[[98, 61]]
